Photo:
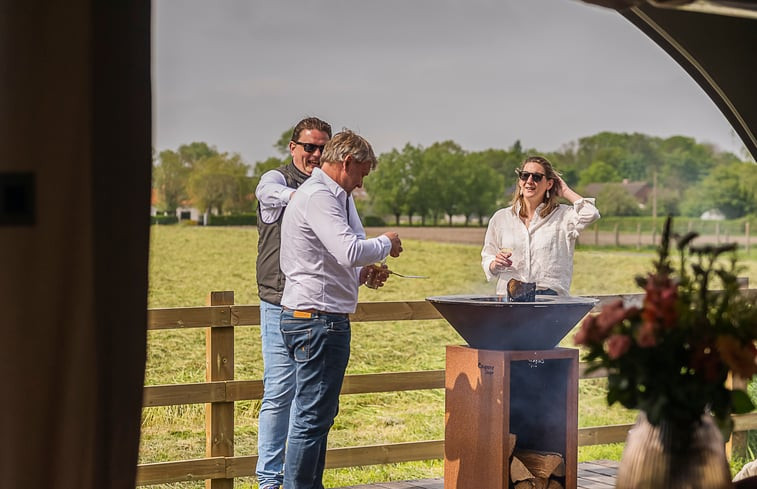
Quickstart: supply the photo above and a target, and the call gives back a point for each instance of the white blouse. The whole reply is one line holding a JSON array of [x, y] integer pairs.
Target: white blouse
[[542, 252]]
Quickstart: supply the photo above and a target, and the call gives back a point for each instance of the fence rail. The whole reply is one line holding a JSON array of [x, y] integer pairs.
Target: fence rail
[[221, 391]]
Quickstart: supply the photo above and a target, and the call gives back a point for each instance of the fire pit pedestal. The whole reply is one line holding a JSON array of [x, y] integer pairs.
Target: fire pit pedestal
[[490, 394]]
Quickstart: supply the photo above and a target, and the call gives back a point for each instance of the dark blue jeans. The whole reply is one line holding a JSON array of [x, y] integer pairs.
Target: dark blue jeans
[[320, 347]]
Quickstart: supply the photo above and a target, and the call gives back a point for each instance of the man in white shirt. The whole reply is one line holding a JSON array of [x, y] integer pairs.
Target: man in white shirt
[[325, 257], [273, 192]]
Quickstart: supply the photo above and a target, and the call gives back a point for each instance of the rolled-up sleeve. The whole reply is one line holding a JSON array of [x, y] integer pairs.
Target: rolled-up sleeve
[[585, 213]]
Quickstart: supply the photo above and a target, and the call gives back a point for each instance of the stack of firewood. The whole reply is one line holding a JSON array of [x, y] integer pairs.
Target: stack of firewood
[[532, 469]]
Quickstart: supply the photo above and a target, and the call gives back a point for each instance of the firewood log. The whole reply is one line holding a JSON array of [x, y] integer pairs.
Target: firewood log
[[541, 464], [535, 483], [512, 438], [518, 471], [526, 484], [554, 484]]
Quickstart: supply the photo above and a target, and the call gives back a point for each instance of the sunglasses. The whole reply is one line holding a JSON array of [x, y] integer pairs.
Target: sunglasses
[[523, 175], [310, 147]]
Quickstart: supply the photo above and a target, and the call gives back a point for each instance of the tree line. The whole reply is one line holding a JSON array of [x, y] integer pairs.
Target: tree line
[[442, 180]]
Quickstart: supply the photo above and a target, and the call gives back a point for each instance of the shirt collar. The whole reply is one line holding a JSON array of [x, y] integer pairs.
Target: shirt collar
[[322, 176]]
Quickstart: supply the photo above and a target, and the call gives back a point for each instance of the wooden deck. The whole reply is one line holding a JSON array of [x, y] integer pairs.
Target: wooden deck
[[599, 474]]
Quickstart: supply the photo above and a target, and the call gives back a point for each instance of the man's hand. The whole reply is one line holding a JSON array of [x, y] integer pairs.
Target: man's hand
[[396, 243], [374, 276]]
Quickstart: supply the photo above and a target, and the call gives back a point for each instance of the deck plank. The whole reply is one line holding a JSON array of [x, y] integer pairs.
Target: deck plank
[[599, 474]]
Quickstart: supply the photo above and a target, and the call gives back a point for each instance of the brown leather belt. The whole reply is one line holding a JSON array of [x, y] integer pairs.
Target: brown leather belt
[[309, 313]]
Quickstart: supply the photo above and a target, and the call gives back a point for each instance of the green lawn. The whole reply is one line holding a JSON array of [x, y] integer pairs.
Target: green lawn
[[188, 262]]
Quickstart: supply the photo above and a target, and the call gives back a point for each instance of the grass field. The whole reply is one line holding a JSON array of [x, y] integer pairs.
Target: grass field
[[188, 262]]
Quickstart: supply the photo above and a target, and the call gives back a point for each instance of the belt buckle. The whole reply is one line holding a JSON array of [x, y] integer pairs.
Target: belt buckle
[[302, 314]]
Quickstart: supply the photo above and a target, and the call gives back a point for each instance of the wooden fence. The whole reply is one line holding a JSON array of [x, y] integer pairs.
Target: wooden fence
[[221, 391], [639, 238]]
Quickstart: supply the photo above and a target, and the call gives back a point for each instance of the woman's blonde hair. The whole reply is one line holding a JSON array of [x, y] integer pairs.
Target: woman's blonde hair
[[550, 203]]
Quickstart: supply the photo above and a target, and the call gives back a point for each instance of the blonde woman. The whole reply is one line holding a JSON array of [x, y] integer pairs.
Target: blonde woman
[[533, 239]]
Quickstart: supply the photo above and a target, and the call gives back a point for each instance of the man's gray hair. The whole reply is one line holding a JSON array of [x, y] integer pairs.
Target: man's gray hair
[[347, 143]]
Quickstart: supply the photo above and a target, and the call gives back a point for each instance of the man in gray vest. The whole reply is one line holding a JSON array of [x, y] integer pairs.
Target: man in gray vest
[[273, 192]]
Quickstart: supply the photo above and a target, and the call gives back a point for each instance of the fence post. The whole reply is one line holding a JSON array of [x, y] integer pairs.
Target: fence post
[[596, 234], [638, 235], [617, 235], [737, 444], [219, 366], [746, 231]]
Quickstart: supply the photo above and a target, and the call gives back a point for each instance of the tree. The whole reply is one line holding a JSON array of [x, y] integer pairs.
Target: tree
[[191, 153], [170, 179], [730, 188], [389, 185], [616, 201], [220, 182], [282, 145], [443, 172], [481, 187], [598, 171]]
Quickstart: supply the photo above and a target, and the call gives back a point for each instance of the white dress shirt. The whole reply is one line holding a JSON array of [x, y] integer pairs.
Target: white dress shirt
[[273, 194], [322, 250], [541, 252]]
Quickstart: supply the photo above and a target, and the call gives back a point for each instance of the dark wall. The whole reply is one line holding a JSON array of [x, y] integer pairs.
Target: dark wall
[[75, 120]]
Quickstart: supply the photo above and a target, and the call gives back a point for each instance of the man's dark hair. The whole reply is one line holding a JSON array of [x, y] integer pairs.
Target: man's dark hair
[[310, 123]]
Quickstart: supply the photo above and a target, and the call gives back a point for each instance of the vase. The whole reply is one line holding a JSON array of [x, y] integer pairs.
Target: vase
[[669, 456]]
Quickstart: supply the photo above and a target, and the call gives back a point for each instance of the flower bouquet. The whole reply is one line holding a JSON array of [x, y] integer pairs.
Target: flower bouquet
[[671, 357]]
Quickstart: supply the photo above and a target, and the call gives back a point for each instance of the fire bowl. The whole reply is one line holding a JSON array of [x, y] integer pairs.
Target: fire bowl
[[491, 323]]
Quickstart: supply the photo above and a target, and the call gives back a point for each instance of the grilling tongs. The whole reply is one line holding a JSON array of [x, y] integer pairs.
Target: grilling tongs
[[392, 272]]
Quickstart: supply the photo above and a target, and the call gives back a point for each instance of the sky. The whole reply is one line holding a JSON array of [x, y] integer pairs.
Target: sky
[[483, 73]]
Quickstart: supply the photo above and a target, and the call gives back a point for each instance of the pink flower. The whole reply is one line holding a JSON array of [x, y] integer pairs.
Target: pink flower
[[612, 314], [589, 333], [647, 335], [596, 328], [617, 345]]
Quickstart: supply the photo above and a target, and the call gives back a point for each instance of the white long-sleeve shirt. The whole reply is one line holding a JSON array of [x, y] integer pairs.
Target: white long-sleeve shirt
[[541, 252], [322, 250], [273, 193]]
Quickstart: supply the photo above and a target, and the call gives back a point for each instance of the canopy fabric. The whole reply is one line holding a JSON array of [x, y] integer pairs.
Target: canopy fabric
[[715, 50]]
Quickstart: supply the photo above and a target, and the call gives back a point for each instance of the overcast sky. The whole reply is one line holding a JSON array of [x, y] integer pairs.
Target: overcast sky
[[484, 73]]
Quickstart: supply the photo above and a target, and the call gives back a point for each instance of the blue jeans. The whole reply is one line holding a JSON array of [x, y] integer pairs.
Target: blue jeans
[[278, 392], [320, 347]]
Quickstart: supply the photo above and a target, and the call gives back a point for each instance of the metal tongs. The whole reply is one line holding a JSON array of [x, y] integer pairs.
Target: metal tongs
[[392, 272], [405, 276]]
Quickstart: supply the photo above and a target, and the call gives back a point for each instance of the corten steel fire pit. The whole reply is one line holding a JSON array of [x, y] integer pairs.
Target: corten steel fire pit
[[510, 383], [488, 322]]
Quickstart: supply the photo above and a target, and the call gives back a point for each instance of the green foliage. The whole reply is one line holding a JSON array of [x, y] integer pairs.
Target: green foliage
[[373, 221], [282, 144], [390, 185], [615, 200], [170, 180], [220, 182], [191, 153], [599, 171], [443, 179], [730, 188], [483, 184], [244, 219], [164, 219]]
